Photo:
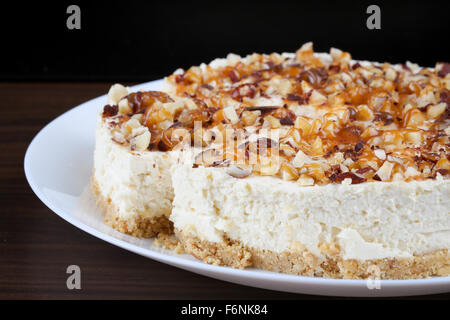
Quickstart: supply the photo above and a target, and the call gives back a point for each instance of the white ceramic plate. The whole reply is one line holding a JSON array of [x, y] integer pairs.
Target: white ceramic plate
[[58, 166]]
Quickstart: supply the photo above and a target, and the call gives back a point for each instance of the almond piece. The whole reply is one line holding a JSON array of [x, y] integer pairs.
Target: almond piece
[[300, 159], [116, 93], [435, 111], [380, 154], [230, 114], [142, 141], [305, 180], [384, 173]]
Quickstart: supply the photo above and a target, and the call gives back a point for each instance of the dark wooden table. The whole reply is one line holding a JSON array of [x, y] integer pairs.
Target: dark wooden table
[[36, 246]]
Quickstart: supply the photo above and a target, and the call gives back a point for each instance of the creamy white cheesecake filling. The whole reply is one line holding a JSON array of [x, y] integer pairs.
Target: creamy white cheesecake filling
[[137, 183], [367, 221]]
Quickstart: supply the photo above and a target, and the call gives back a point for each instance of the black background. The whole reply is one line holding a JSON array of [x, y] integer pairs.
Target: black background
[[144, 40]]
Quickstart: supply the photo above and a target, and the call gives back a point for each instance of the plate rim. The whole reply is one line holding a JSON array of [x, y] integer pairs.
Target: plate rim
[[198, 266]]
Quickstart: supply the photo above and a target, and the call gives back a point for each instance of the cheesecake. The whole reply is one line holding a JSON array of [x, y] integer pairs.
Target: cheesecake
[[303, 163]]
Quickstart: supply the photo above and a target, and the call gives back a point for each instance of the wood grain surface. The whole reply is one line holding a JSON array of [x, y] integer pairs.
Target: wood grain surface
[[36, 246]]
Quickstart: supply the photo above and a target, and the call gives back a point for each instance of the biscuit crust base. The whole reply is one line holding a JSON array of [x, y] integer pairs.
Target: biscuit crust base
[[137, 225], [302, 262]]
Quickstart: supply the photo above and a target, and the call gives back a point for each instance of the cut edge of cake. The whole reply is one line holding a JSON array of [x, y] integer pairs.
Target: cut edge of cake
[[133, 189], [136, 225]]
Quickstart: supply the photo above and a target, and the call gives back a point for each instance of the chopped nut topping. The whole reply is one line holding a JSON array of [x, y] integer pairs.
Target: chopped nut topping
[[238, 172], [142, 141], [385, 171], [335, 120], [380, 154], [305, 180], [444, 69], [110, 111], [116, 93]]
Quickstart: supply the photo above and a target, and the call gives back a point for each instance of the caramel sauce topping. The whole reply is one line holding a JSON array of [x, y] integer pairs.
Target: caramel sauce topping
[[337, 120]]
